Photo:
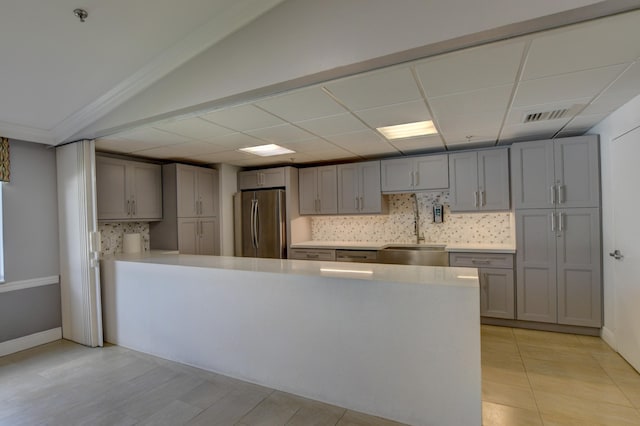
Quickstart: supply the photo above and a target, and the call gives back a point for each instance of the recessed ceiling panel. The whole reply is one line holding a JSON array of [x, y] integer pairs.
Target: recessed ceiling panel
[[242, 118], [390, 115], [582, 123], [304, 104], [471, 69], [567, 86], [194, 128], [625, 88], [374, 89], [530, 131], [336, 124], [472, 103], [593, 44], [228, 157], [281, 133]]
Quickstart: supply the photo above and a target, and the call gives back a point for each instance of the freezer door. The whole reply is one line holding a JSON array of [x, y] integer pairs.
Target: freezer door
[[270, 224], [248, 215]]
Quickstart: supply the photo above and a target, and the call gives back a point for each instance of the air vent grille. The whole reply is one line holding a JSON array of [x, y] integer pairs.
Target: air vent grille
[[546, 115]]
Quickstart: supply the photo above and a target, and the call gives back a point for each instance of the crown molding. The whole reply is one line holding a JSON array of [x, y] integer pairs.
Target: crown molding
[[26, 133], [227, 21]]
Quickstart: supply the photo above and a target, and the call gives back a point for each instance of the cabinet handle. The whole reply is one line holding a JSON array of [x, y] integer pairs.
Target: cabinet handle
[[475, 198], [128, 207], [480, 262], [357, 204], [560, 194], [482, 198], [552, 192], [417, 179], [553, 222], [560, 220], [412, 179], [361, 203], [133, 204], [319, 205]]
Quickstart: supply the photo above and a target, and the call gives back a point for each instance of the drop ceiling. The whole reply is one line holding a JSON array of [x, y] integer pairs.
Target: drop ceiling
[[565, 80]]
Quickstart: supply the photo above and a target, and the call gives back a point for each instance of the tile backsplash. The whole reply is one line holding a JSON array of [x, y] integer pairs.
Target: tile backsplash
[[112, 235], [398, 225]]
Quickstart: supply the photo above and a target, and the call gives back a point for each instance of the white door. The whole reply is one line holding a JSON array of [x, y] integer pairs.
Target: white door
[[625, 174]]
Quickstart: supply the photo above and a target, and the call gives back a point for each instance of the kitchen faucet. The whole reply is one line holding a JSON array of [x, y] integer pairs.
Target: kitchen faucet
[[416, 219]]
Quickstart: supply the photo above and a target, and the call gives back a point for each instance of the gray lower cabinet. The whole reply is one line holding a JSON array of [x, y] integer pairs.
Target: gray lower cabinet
[[495, 272], [559, 266], [312, 254], [198, 235]]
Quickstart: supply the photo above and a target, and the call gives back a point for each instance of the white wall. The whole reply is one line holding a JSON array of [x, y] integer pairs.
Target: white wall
[[301, 42], [228, 176], [621, 121]]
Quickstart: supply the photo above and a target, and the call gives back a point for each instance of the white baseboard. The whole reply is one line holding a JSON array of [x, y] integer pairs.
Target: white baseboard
[[609, 337], [35, 282], [30, 341]]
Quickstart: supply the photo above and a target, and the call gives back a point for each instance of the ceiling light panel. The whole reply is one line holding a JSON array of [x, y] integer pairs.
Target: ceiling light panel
[[268, 150], [593, 44], [302, 105], [243, 118], [374, 89], [471, 69], [567, 86], [408, 130], [388, 115]]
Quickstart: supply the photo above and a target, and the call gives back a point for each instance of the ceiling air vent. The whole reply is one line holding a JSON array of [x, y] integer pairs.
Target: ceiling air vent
[[545, 115]]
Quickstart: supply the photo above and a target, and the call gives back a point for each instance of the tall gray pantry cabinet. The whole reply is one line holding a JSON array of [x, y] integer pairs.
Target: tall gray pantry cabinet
[[556, 196]]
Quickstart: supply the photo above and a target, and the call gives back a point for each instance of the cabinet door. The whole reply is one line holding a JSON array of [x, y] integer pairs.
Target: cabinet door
[[145, 186], [370, 193], [308, 190], [111, 189], [493, 179], [577, 172], [272, 178], [497, 298], [532, 175], [207, 184], [327, 190], [579, 267], [208, 240], [187, 177], [248, 180], [431, 172], [188, 236], [536, 285], [348, 188], [396, 175], [463, 181]]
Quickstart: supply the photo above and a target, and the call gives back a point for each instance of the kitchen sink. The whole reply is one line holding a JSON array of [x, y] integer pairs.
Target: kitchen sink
[[414, 255]]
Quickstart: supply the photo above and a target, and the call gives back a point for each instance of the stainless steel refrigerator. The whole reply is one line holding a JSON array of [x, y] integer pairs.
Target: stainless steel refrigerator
[[263, 230]]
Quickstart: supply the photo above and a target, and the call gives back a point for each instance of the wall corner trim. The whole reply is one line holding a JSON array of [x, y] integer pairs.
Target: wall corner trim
[[35, 282], [609, 337], [30, 341]]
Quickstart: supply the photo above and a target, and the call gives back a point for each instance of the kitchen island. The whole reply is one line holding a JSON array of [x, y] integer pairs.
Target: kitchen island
[[400, 342]]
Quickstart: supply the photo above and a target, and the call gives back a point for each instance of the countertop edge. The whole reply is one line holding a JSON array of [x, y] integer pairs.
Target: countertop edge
[[349, 245]]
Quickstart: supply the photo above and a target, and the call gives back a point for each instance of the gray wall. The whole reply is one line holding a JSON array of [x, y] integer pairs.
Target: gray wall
[[30, 224]]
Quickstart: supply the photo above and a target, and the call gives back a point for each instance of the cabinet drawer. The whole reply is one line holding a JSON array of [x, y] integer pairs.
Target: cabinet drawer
[[481, 260], [312, 254]]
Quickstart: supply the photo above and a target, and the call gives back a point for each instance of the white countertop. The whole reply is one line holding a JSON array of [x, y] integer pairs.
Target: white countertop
[[432, 275], [359, 245]]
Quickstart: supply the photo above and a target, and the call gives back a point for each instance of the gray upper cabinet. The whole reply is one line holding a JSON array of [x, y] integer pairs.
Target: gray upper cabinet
[[258, 179], [558, 266], [197, 191], [479, 180], [359, 188], [318, 190], [128, 190], [560, 173], [409, 174]]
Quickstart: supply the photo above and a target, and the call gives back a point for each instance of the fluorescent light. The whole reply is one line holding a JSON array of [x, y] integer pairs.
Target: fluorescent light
[[347, 271], [267, 150], [408, 130]]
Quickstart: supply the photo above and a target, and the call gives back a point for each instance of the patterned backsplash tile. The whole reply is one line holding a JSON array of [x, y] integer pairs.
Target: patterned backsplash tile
[[398, 225], [112, 235]]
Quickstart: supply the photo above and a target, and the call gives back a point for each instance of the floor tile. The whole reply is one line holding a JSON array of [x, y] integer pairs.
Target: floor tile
[[277, 409], [354, 418], [502, 415], [175, 413], [507, 394], [228, 410], [316, 414]]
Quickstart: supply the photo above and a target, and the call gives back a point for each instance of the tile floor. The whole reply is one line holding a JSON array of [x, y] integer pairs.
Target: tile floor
[[529, 378]]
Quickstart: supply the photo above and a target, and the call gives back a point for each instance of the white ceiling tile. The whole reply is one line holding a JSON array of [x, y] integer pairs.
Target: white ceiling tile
[[461, 104], [363, 143], [589, 45], [303, 104], [530, 131], [421, 143], [225, 157], [374, 89], [584, 122], [469, 144], [471, 69], [310, 145], [189, 150], [153, 136], [327, 126], [482, 125], [280, 134], [389, 115], [332, 154], [193, 128], [236, 141], [112, 144], [242, 118], [625, 88], [567, 86]]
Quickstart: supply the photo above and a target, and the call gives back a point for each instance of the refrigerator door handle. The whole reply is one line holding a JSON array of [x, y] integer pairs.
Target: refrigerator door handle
[[256, 225], [252, 224]]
